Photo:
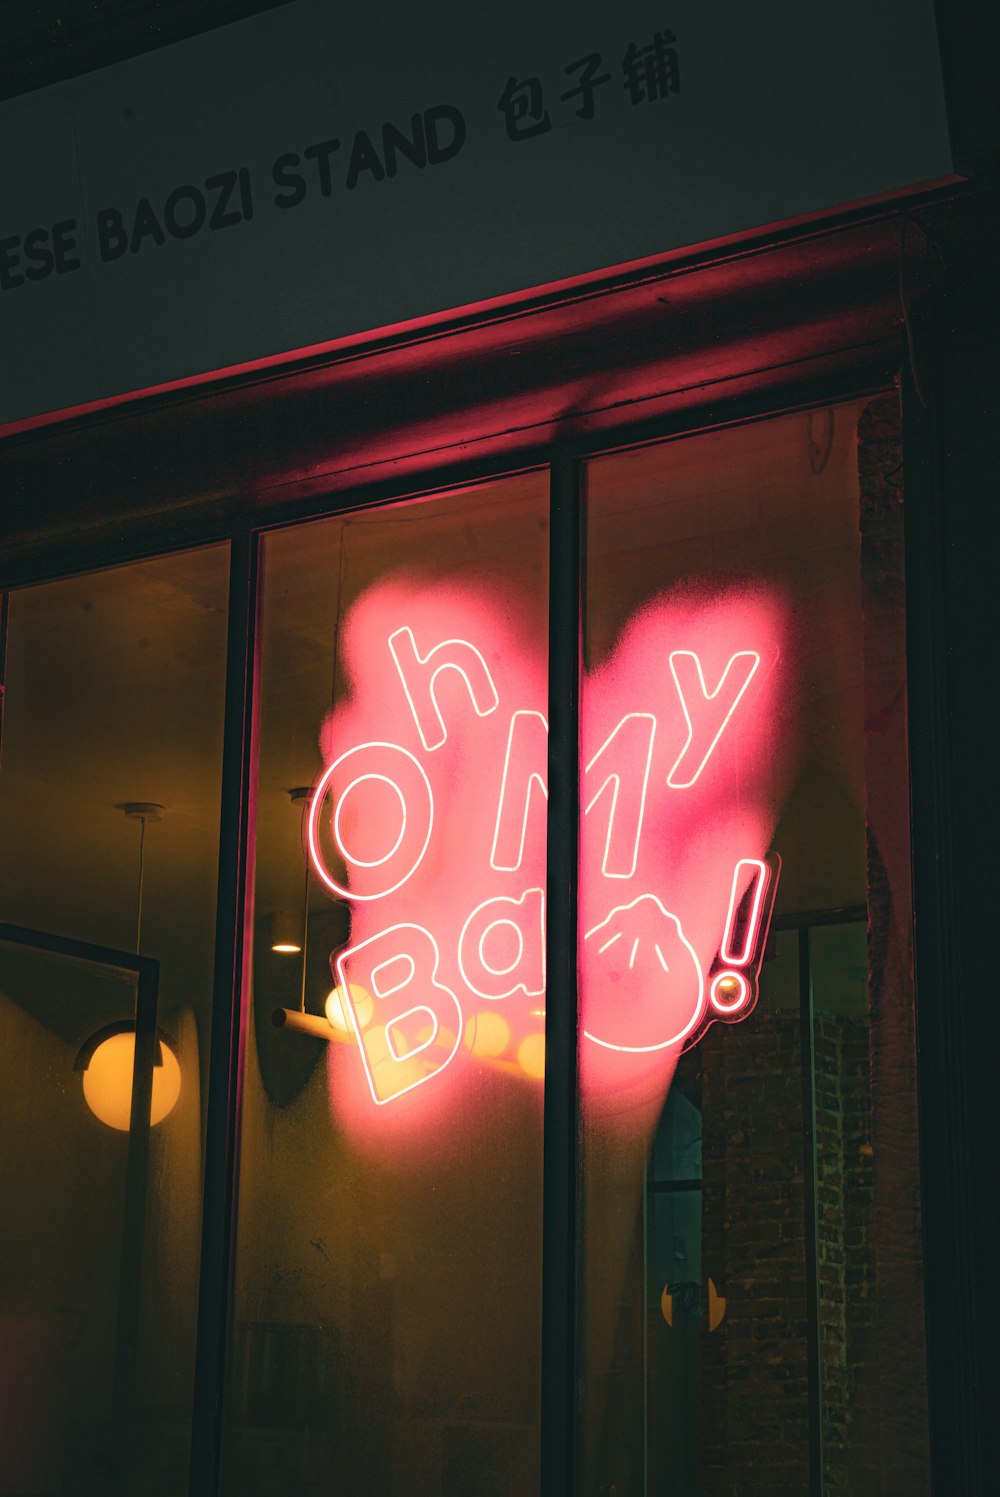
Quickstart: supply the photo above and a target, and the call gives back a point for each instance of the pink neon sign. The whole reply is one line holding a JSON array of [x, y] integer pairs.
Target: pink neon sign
[[430, 821]]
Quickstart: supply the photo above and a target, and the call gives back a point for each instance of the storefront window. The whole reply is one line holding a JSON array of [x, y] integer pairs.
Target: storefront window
[[745, 1053], [109, 807], [747, 1201], [388, 1306], [742, 1320]]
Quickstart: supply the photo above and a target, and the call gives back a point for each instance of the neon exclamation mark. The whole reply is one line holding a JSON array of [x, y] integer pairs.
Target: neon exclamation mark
[[733, 990]]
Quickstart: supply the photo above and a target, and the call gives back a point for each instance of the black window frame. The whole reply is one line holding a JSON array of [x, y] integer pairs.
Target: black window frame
[[565, 463], [915, 347]]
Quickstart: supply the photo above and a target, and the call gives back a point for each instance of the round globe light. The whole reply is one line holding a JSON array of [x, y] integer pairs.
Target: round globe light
[[107, 1082]]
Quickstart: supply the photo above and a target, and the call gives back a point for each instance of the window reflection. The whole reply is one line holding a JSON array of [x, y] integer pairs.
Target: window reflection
[[115, 689], [387, 1313], [736, 1206]]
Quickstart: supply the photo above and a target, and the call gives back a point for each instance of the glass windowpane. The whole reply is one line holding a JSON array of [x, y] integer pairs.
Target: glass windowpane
[[387, 1315], [742, 1309], [115, 688]]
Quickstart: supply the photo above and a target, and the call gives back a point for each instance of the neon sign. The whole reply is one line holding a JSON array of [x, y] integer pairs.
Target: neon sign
[[429, 820]]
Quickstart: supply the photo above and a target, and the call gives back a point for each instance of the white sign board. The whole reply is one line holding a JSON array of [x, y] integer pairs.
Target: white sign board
[[322, 170]]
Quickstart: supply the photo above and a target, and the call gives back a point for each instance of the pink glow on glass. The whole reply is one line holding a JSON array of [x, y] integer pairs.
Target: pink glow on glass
[[452, 889], [714, 772], [706, 713], [641, 954], [625, 769], [399, 968], [430, 821], [338, 830], [525, 770], [418, 673], [525, 973], [408, 810]]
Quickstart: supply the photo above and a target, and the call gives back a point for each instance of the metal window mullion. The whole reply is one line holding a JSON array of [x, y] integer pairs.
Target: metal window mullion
[[225, 1067], [810, 1182], [561, 1113], [134, 1205], [4, 616]]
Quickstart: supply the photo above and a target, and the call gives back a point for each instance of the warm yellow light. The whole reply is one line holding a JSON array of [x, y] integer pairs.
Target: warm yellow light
[[716, 1307], [667, 1305], [487, 1034], [531, 1056], [362, 1002], [107, 1082], [286, 933]]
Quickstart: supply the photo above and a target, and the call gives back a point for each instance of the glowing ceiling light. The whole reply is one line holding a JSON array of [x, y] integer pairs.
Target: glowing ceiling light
[[286, 935]]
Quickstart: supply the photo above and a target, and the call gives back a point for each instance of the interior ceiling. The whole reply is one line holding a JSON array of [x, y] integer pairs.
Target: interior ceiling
[[115, 689], [46, 41]]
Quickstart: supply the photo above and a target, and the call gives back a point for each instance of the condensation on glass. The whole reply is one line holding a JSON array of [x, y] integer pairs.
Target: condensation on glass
[[751, 1316], [386, 1325], [115, 684]]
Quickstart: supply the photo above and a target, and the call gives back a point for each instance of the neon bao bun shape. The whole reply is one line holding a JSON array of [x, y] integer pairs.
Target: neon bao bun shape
[[429, 819]]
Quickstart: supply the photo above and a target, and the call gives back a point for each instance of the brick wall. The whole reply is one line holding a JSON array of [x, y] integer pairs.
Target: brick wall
[[845, 1250], [755, 1366], [755, 1369]]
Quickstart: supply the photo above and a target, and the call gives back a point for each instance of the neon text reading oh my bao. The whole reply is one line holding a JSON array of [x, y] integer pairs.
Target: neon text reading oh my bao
[[429, 820]]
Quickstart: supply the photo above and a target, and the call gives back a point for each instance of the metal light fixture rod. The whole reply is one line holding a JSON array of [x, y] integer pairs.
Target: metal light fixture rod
[[311, 1024]]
